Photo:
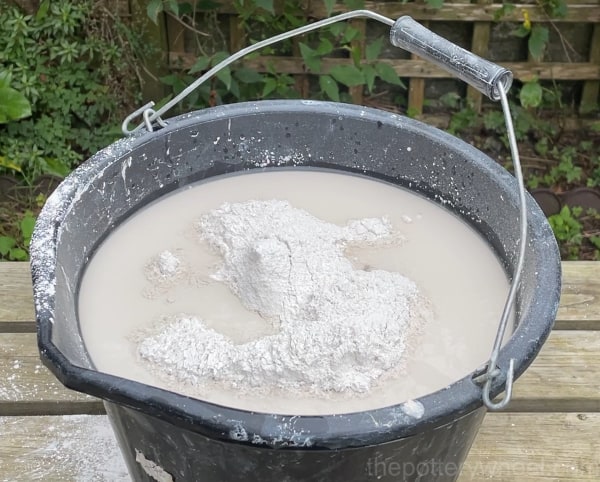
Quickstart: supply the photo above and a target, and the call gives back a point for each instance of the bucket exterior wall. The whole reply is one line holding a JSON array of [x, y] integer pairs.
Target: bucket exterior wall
[[436, 454], [133, 172]]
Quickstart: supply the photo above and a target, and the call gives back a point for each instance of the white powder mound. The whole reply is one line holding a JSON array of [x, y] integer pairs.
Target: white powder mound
[[338, 328], [167, 263], [163, 271]]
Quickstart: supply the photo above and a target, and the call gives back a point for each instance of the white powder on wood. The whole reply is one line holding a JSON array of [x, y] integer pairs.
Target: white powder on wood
[[338, 328]]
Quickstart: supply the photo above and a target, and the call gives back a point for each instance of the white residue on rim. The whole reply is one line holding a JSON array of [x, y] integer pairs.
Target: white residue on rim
[[126, 164], [413, 408]]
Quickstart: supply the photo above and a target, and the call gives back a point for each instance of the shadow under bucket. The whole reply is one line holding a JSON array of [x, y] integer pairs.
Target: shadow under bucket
[[167, 436]]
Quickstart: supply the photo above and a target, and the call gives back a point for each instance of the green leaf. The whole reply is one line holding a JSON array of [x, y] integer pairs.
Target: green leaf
[[27, 225], [224, 75], [330, 87], [325, 47], [57, 167], [310, 57], [521, 31], [5, 79], [388, 74], [207, 5], [265, 5], [329, 4], [248, 76], [13, 105], [557, 8], [531, 94], [355, 54], [595, 240], [370, 73], [538, 40], [354, 4], [4, 162], [6, 244], [153, 9], [42, 10], [450, 100], [349, 75], [201, 64], [336, 29], [505, 9], [18, 254], [374, 49], [350, 34], [435, 3], [173, 6], [269, 87]]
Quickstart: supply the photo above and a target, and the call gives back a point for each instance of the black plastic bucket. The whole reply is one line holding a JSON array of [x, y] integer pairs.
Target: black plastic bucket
[[163, 434]]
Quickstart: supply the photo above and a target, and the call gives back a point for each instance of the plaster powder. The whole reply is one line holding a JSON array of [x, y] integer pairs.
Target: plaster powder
[[337, 327]]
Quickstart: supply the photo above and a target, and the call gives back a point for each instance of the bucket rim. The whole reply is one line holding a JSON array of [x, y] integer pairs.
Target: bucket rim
[[328, 431]]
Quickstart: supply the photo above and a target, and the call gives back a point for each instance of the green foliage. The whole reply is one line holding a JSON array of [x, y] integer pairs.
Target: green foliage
[[16, 247], [435, 3], [531, 94], [555, 8], [13, 104], [67, 63], [258, 19], [568, 227]]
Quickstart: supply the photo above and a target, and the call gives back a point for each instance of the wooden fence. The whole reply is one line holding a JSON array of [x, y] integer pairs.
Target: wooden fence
[[576, 59]]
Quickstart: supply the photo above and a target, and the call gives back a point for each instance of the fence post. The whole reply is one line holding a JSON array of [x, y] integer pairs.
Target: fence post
[[156, 63], [479, 46], [591, 88]]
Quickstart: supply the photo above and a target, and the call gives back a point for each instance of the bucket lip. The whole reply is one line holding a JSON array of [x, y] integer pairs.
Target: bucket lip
[[262, 429]]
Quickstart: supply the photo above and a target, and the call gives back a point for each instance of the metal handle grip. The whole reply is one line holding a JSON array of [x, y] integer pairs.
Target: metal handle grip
[[480, 73]]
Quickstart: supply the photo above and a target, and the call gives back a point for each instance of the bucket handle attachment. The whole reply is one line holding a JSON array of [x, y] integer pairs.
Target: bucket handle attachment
[[490, 79]]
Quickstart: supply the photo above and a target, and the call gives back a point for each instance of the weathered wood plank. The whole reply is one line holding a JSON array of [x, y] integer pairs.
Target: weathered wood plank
[[535, 447], [16, 296], [580, 299], [414, 67], [74, 447], [508, 447], [562, 378], [579, 307], [585, 11], [28, 387]]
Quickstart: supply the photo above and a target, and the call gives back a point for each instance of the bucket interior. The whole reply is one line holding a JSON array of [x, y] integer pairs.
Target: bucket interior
[[133, 172]]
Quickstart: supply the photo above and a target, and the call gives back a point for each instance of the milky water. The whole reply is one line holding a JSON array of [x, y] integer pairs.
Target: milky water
[[451, 264]]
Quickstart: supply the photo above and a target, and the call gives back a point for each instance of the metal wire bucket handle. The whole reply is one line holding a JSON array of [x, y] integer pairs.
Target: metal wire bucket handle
[[490, 79]]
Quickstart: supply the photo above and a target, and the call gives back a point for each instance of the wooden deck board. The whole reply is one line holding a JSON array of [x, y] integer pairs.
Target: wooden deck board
[[562, 378], [580, 298], [549, 432], [28, 387], [16, 295], [579, 309], [82, 447], [70, 447], [535, 447]]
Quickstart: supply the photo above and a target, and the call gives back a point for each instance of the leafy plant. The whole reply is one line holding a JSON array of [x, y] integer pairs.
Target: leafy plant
[[13, 104], [568, 227], [258, 20], [15, 247], [71, 64]]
